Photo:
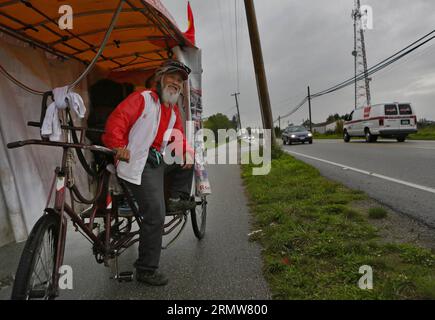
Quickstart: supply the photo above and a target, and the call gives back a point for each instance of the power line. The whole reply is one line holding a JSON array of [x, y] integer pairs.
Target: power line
[[286, 102], [232, 40], [300, 104], [221, 24], [373, 69], [377, 67], [408, 59]]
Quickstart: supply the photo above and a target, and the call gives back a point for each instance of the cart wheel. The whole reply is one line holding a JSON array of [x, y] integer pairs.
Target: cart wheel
[[199, 217], [35, 273]]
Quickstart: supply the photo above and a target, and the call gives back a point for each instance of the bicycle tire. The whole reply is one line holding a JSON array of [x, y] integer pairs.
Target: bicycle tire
[[199, 218], [48, 224]]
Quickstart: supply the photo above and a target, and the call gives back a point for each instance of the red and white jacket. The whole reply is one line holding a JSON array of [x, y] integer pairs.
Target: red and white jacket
[[138, 123]]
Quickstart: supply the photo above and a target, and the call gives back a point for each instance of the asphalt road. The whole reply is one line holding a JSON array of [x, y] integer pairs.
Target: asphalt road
[[399, 175], [223, 265]]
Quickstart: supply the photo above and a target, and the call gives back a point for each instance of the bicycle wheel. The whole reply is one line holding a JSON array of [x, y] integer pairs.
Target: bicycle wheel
[[199, 218], [34, 276]]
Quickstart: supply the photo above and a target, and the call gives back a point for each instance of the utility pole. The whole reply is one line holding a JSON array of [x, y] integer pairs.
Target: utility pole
[[309, 109], [279, 123], [235, 94], [260, 74]]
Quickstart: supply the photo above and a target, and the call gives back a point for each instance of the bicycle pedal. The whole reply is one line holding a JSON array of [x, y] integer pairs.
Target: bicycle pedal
[[37, 293], [125, 276]]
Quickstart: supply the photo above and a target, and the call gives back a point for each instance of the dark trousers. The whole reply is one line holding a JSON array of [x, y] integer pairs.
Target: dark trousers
[[151, 200]]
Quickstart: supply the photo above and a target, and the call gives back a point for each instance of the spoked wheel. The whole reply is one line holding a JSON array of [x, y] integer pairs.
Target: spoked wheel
[[199, 217], [35, 273]]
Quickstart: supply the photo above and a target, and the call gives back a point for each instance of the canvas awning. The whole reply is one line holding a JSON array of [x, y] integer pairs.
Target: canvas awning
[[142, 38]]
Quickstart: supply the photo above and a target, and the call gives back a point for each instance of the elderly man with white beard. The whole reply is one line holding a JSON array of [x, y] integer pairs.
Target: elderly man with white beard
[[136, 130]]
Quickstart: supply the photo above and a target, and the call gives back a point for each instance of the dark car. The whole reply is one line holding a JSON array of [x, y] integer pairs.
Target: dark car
[[297, 134]]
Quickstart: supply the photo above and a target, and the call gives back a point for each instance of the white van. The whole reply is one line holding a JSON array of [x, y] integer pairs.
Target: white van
[[390, 120]]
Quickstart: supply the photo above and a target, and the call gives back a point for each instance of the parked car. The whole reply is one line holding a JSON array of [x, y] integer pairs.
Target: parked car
[[297, 134], [390, 120]]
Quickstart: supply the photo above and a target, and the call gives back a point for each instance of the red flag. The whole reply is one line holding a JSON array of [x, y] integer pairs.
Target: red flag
[[190, 32]]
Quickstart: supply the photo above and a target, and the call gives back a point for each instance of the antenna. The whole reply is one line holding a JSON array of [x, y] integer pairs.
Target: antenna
[[362, 86]]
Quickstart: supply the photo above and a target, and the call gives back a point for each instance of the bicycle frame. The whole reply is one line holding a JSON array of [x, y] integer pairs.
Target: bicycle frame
[[62, 181], [104, 249]]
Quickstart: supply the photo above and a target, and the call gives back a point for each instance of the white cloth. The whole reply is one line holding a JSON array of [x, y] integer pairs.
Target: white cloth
[[140, 139], [62, 99]]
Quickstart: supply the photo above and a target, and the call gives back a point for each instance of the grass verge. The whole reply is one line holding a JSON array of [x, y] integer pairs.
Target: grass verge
[[377, 213], [315, 242], [427, 133], [327, 136]]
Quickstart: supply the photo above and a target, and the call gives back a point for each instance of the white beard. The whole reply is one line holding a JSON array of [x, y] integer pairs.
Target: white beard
[[169, 97]]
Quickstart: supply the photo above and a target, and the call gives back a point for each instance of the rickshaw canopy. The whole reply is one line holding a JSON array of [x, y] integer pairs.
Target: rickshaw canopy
[[143, 36]]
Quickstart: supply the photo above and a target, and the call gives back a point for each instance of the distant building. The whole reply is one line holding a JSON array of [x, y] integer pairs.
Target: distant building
[[326, 127], [319, 128], [426, 122]]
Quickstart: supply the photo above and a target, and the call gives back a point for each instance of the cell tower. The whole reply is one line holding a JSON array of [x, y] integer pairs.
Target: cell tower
[[362, 86]]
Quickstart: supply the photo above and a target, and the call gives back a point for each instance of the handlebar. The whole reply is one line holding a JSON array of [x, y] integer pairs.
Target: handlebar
[[38, 125], [17, 144]]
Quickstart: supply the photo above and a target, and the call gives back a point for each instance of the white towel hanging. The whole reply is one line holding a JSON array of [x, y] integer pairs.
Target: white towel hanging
[[62, 99]]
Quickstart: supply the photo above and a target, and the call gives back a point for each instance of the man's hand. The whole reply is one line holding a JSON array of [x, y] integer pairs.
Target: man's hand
[[122, 154], [188, 161]]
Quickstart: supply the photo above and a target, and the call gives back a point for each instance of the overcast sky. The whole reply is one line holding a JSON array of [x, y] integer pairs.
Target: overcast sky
[[309, 42]]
